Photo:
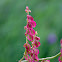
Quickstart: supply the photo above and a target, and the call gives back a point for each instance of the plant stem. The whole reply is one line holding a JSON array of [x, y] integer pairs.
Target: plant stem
[[47, 58], [21, 59]]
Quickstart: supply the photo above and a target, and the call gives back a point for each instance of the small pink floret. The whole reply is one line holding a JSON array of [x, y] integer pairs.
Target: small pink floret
[[36, 44], [30, 17], [39, 43], [33, 24], [32, 31], [61, 41], [30, 37], [47, 60], [29, 25], [28, 47], [60, 58], [36, 57], [61, 51], [27, 8], [25, 27], [27, 57], [36, 51], [37, 38]]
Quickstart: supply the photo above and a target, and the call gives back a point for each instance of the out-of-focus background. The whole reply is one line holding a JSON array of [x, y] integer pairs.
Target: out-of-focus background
[[48, 16]]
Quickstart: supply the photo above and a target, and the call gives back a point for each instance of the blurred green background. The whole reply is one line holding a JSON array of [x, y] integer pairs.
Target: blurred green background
[[48, 16]]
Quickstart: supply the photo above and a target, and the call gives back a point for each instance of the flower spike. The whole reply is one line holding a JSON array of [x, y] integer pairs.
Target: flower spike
[[31, 54]]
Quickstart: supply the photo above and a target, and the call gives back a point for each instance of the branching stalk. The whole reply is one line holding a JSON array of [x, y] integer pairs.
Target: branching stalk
[[47, 58]]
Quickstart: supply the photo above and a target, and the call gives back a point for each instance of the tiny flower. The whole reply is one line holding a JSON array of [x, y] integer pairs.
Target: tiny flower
[[28, 47], [25, 27], [32, 31], [60, 58], [37, 38], [61, 51], [30, 60], [27, 57], [36, 51], [47, 61], [61, 42], [36, 33], [36, 57], [29, 25], [36, 44], [30, 37], [30, 17], [28, 31], [27, 10], [34, 54], [25, 33], [33, 24]]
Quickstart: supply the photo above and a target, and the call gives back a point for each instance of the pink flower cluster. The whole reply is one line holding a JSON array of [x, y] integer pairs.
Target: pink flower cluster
[[60, 58], [45, 61], [31, 54]]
